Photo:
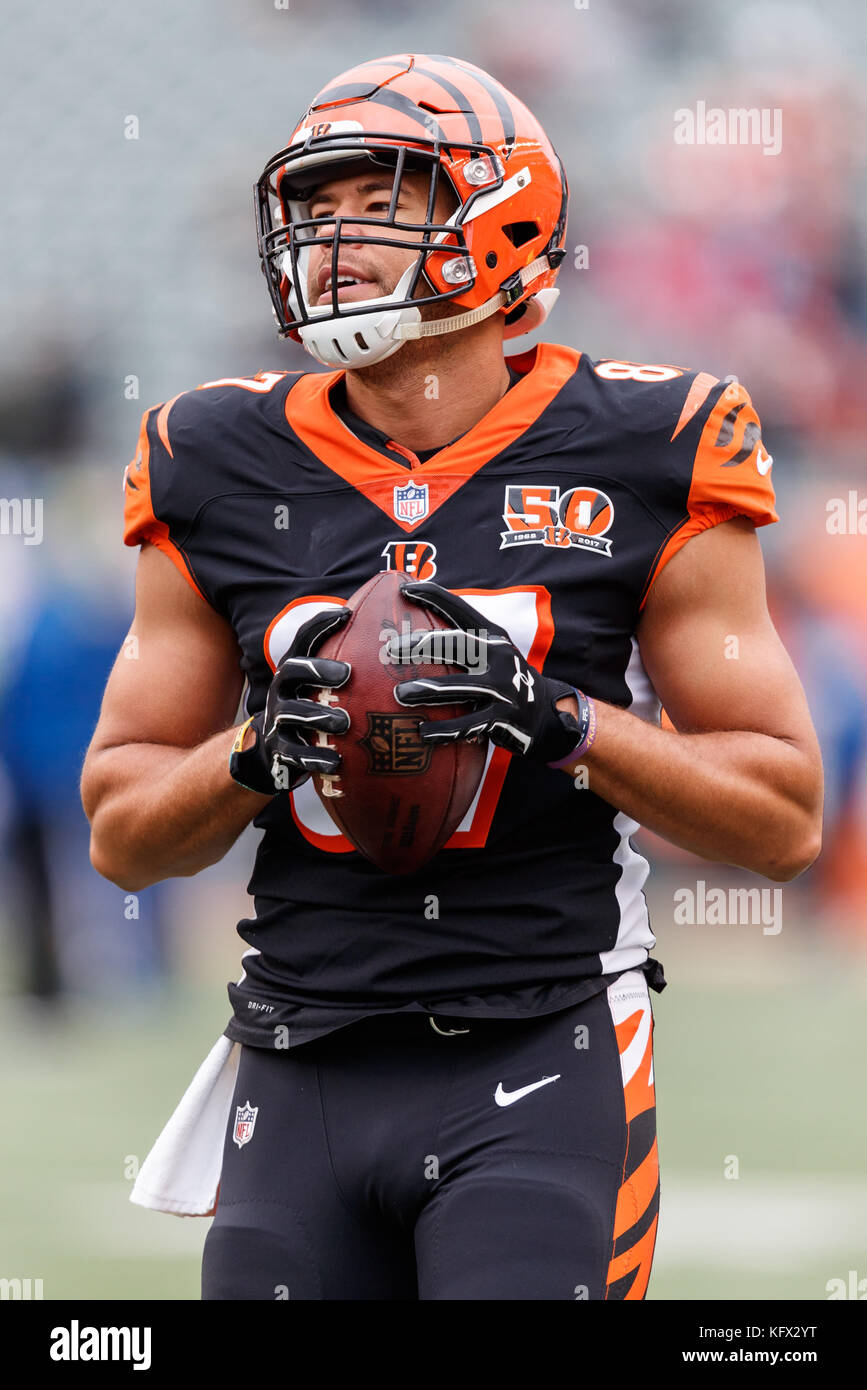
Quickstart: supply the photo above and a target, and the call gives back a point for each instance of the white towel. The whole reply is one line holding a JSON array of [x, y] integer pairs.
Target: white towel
[[181, 1174]]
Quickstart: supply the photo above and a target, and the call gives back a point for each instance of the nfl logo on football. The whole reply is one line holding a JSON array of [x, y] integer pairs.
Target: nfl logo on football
[[245, 1123], [411, 502]]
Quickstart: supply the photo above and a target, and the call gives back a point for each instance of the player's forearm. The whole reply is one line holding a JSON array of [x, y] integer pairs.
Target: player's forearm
[[159, 812], [735, 797]]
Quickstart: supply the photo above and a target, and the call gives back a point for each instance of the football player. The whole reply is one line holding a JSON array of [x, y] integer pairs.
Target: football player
[[445, 1081]]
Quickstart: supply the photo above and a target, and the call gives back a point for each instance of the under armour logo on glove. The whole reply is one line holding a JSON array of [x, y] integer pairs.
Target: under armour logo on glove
[[503, 693], [526, 677]]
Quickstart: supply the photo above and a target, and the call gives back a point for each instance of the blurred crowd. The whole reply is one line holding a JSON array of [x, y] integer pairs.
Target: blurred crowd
[[131, 273]]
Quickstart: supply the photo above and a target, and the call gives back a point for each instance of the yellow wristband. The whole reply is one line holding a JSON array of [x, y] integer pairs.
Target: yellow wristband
[[238, 745]]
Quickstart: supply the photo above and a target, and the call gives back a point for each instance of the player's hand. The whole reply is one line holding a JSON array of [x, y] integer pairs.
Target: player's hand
[[283, 757], [514, 704]]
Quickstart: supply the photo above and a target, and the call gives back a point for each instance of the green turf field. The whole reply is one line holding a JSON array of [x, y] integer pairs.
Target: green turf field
[[760, 1047]]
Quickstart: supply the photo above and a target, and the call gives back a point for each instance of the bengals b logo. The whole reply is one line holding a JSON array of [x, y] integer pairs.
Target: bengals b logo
[[417, 558]]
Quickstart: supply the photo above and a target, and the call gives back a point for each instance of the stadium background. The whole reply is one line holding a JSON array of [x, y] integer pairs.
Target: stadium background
[[129, 272]]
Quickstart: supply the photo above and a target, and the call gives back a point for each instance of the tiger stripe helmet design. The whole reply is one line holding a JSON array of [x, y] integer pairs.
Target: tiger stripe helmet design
[[498, 251]]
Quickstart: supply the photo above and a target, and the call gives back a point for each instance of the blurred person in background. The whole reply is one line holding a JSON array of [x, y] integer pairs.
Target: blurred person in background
[[62, 619], [817, 596]]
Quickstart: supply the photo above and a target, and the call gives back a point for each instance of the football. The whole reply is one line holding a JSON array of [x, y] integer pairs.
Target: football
[[395, 798]]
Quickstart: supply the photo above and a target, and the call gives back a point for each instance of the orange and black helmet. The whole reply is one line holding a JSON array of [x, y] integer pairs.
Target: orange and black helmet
[[499, 250]]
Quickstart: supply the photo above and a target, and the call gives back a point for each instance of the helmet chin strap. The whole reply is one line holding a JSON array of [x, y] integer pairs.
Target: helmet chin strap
[[334, 342], [431, 328]]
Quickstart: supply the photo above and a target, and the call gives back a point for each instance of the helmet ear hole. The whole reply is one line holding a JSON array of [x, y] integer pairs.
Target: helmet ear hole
[[519, 233]]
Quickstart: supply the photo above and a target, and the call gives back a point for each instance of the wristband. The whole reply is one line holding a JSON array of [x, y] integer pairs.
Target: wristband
[[586, 729]]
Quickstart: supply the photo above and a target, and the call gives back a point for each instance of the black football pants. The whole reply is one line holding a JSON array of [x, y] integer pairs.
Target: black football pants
[[397, 1159]]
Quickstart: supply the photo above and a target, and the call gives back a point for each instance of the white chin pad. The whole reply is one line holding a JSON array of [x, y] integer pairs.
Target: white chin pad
[[367, 340], [360, 339]]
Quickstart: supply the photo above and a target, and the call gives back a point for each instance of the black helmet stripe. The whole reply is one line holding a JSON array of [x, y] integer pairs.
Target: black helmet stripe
[[386, 97], [350, 91], [464, 104], [496, 93], [383, 96]]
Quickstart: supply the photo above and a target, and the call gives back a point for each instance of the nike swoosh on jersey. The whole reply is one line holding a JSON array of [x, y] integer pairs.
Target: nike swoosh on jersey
[[763, 461], [509, 1097]]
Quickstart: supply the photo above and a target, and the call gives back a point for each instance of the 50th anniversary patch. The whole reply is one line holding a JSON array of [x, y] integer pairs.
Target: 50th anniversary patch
[[541, 516]]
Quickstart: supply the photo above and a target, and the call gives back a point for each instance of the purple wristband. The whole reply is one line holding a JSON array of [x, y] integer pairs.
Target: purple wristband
[[587, 725]]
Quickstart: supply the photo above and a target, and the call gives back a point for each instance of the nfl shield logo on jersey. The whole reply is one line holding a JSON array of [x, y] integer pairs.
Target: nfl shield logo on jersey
[[411, 502], [245, 1122]]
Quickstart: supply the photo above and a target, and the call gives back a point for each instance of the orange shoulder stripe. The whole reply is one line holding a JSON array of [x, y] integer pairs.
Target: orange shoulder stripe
[[140, 522], [163, 425], [730, 474], [695, 398]]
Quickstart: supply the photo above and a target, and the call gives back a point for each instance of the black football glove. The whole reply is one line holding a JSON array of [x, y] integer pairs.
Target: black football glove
[[282, 758], [515, 705]]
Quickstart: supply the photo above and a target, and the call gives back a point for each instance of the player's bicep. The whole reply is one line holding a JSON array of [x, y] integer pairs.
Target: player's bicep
[[710, 648], [177, 679]]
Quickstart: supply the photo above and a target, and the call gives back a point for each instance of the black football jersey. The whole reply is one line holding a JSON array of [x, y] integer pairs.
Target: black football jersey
[[553, 515]]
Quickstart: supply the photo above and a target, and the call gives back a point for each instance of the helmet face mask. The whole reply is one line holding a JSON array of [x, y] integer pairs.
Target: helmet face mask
[[285, 245], [479, 256]]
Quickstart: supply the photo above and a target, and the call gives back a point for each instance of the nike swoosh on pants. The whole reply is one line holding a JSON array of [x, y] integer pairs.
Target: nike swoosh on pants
[[509, 1097]]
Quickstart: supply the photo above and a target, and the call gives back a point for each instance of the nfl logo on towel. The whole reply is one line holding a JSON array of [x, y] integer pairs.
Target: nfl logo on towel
[[245, 1123], [411, 502]]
